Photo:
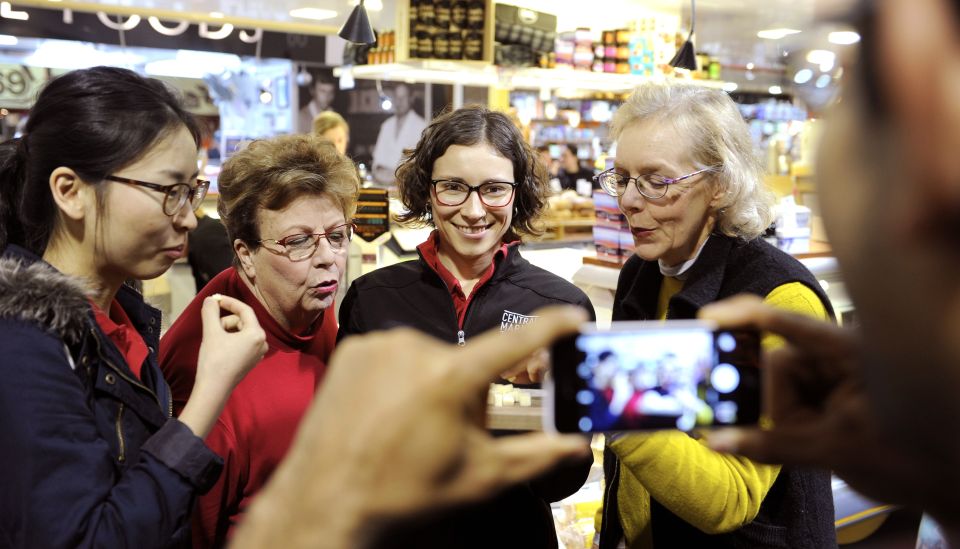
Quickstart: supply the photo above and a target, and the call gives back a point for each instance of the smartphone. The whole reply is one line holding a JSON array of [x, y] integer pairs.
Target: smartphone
[[653, 375]]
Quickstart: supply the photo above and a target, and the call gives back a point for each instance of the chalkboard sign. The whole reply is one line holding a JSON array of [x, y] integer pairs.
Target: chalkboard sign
[[373, 214]]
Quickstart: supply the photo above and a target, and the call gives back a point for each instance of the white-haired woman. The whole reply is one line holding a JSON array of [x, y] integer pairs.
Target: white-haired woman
[[688, 181]]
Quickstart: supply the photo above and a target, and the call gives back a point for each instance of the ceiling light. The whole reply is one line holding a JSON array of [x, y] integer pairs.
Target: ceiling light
[[843, 38], [775, 90], [686, 57], [357, 27], [730, 87], [8, 40], [750, 66], [803, 76], [776, 34], [825, 58], [216, 14], [372, 5], [316, 14]]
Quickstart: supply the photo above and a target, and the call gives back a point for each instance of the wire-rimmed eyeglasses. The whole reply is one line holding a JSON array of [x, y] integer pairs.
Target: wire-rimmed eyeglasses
[[301, 246], [493, 194], [175, 196], [652, 186]]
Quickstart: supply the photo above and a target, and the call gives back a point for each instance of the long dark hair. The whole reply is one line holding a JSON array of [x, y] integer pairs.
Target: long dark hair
[[93, 121], [470, 126]]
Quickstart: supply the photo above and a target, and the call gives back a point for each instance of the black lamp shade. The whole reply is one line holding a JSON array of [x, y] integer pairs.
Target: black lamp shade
[[357, 27], [685, 58]]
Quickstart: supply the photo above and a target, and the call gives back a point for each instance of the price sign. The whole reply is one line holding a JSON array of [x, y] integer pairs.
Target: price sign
[[20, 84]]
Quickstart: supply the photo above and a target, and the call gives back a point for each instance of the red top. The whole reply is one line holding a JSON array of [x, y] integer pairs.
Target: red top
[[121, 332], [258, 423], [460, 301]]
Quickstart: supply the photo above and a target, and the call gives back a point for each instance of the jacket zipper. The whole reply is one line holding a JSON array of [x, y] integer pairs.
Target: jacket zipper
[[120, 373], [123, 447], [606, 504], [461, 338]]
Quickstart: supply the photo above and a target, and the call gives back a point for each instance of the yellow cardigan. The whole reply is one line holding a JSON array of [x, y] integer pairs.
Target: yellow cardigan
[[714, 492]]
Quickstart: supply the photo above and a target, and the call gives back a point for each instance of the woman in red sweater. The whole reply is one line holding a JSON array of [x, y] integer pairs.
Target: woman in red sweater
[[286, 203]]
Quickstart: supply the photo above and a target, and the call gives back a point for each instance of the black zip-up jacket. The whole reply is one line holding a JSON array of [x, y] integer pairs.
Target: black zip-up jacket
[[412, 294], [797, 512]]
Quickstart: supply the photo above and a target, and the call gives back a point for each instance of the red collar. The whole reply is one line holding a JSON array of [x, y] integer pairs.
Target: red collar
[[119, 329], [428, 250]]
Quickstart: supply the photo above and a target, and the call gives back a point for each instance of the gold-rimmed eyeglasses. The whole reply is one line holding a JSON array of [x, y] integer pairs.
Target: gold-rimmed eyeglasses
[[298, 247]]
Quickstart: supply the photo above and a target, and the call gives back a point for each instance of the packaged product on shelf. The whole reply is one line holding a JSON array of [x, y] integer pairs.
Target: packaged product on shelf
[[475, 14], [458, 14], [441, 9]]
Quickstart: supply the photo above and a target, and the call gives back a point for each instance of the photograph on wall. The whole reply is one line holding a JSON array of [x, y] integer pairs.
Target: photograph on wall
[[317, 92]]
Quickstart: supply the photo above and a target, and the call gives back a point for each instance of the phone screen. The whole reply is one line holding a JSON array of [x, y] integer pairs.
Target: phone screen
[[649, 375]]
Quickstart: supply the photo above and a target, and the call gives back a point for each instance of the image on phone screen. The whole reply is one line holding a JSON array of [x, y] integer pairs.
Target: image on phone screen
[[635, 378]]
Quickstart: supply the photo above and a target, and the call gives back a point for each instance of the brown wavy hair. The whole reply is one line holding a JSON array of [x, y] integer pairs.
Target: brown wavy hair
[[272, 173], [471, 126]]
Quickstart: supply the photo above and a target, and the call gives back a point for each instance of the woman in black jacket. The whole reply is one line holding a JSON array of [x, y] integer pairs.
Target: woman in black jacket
[[101, 189], [474, 178]]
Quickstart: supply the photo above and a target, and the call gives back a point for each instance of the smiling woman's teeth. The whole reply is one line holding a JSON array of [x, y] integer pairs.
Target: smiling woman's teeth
[[472, 230]]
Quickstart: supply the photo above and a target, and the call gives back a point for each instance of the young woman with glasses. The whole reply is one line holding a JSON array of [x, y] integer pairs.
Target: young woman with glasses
[[101, 189], [474, 179], [286, 203], [690, 185]]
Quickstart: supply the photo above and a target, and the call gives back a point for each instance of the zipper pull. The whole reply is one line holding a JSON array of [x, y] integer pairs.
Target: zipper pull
[[461, 338]]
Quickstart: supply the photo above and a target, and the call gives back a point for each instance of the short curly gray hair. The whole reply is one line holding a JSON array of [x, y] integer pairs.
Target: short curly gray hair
[[720, 137]]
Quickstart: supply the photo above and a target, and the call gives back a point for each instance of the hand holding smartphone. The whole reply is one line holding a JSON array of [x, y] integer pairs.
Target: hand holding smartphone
[[653, 375]]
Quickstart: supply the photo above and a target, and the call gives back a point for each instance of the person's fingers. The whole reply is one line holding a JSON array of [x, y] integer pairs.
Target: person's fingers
[[748, 311], [507, 461], [493, 352], [210, 314], [231, 323], [248, 318]]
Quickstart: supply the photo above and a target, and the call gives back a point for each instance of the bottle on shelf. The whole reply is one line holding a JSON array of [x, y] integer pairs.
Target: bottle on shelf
[[473, 45], [442, 14], [475, 14], [458, 14], [456, 45], [441, 45]]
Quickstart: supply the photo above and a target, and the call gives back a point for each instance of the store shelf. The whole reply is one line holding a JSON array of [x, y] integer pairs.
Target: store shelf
[[475, 73]]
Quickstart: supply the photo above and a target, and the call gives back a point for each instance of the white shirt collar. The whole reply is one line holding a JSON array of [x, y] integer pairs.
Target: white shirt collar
[[680, 271]]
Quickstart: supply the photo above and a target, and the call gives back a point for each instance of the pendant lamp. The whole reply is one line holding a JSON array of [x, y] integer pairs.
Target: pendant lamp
[[686, 57], [357, 28]]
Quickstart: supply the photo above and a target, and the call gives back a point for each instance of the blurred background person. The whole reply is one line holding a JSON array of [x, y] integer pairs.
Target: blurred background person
[[570, 171], [872, 403], [209, 251], [332, 126], [399, 132], [286, 203], [687, 179]]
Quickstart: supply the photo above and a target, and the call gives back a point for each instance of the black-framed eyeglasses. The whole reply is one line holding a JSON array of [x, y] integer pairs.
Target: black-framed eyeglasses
[[493, 194], [175, 196], [298, 247], [814, 59], [652, 186]]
